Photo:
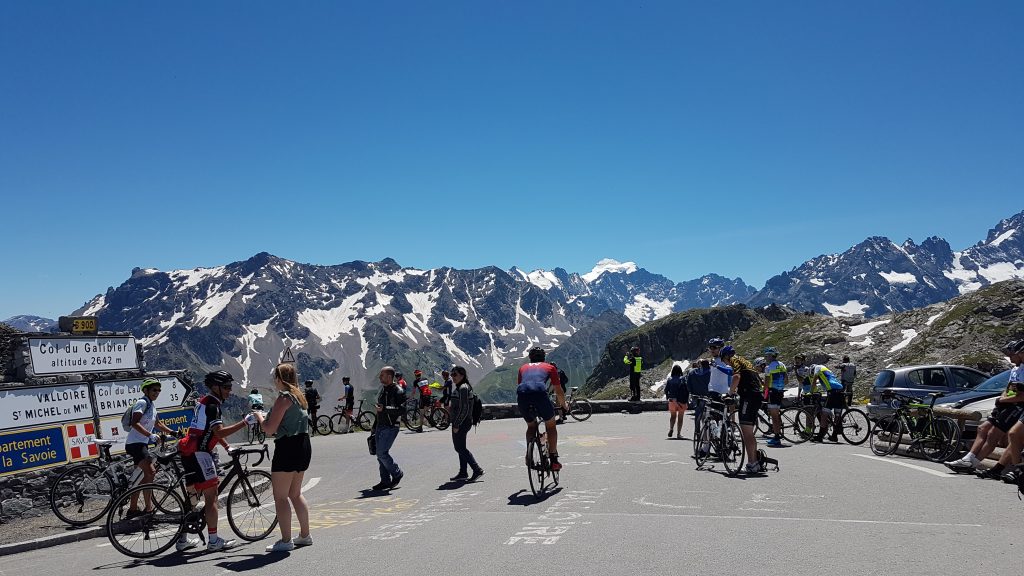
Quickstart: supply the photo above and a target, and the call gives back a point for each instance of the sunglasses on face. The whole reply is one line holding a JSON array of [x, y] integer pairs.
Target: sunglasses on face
[[157, 390]]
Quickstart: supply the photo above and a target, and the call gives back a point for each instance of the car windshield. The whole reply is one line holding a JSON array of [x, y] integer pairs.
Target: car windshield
[[994, 384]]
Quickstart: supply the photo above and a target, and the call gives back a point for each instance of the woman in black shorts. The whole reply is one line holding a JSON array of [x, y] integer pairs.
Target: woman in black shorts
[[288, 422]]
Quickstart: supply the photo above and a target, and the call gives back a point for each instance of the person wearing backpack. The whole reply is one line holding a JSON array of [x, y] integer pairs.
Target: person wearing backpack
[[139, 421], [847, 375], [463, 409]]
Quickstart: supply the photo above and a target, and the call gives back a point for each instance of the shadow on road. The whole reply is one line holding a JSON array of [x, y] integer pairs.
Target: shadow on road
[[371, 493], [524, 498], [254, 561]]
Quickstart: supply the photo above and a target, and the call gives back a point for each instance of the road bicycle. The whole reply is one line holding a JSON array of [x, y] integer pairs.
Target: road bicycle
[[719, 435], [801, 423], [249, 507], [255, 433], [365, 419], [437, 416], [338, 423], [579, 408], [538, 462], [935, 437], [83, 493], [320, 425]]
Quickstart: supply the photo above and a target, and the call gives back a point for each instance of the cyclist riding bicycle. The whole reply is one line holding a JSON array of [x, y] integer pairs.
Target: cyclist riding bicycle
[[821, 378], [204, 433], [255, 399], [532, 397]]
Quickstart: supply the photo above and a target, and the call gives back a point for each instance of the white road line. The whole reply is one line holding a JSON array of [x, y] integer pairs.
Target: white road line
[[906, 465], [311, 484], [794, 519]]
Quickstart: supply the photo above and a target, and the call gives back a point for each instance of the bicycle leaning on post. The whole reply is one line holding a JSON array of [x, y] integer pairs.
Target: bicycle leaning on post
[[250, 508]]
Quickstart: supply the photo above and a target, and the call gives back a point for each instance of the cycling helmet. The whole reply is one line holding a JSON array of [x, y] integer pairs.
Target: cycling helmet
[[716, 343], [728, 351], [537, 354], [398, 375], [1013, 347], [800, 357], [345, 378], [218, 378], [309, 383], [760, 362], [149, 382], [771, 351], [634, 349], [417, 372]]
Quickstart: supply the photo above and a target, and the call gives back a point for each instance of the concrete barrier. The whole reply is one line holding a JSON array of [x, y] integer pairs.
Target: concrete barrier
[[500, 411]]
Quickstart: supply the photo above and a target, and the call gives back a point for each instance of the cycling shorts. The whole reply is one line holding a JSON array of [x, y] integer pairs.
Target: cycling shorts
[[750, 403], [425, 401], [836, 400], [533, 404], [1004, 417], [137, 451], [775, 398], [201, 470]]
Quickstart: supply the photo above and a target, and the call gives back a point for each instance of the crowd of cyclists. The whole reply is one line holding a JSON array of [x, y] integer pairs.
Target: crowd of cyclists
[[720, 375]]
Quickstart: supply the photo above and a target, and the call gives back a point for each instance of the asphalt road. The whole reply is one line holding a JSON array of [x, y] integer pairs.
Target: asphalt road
[[630, 502]]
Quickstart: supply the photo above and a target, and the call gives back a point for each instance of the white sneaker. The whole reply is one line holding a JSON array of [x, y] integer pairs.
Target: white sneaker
[[216, 543], [303, 541], [281, 546], [186, 543]]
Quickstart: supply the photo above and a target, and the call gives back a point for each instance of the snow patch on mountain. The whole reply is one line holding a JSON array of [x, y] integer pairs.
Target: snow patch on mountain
[[644, 309], [908, 335], [251, 334], [898, 277], [1003, 237], [863, 329], [609, 265], [1001, 271], [851, 308]]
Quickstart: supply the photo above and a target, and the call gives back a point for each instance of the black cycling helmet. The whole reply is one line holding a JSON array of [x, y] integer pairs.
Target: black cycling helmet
[[218, 378], [1013, 347], [800, 357], [537, 354], [309, 383], [716, 343]]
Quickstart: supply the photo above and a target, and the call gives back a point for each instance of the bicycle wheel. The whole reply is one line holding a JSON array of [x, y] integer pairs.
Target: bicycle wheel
[[535, 468], [81, 495], [580, 410], [764, 424], [151, 533], [323, 425], [887, 436], [439, 416], [413, 421], [338, 423], [251, 512], [366, 420], [855, 426], [261, 436], [940, 439], [702, 445], [793, 420], [731, 447]]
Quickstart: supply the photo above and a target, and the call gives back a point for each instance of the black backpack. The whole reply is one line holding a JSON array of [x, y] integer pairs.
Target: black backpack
[[563, 378], [478, 407]]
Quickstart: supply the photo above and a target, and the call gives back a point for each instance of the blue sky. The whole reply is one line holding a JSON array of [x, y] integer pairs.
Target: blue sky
[[690, 137]]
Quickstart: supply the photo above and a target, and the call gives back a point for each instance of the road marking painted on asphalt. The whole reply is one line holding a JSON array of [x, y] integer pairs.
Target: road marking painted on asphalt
[[643, 502], [904, 464], [792, 518]]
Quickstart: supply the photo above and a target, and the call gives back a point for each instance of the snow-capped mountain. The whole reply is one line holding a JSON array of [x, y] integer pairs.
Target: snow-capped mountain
[[354, 318], [879, 276], [31, 323], [642, 296]]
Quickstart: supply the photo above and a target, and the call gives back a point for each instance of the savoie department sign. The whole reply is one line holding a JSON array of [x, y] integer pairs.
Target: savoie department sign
[[24, 407], [83, 354]]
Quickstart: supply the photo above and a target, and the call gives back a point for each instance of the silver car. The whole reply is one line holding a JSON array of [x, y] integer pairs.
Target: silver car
[[919, 381]]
